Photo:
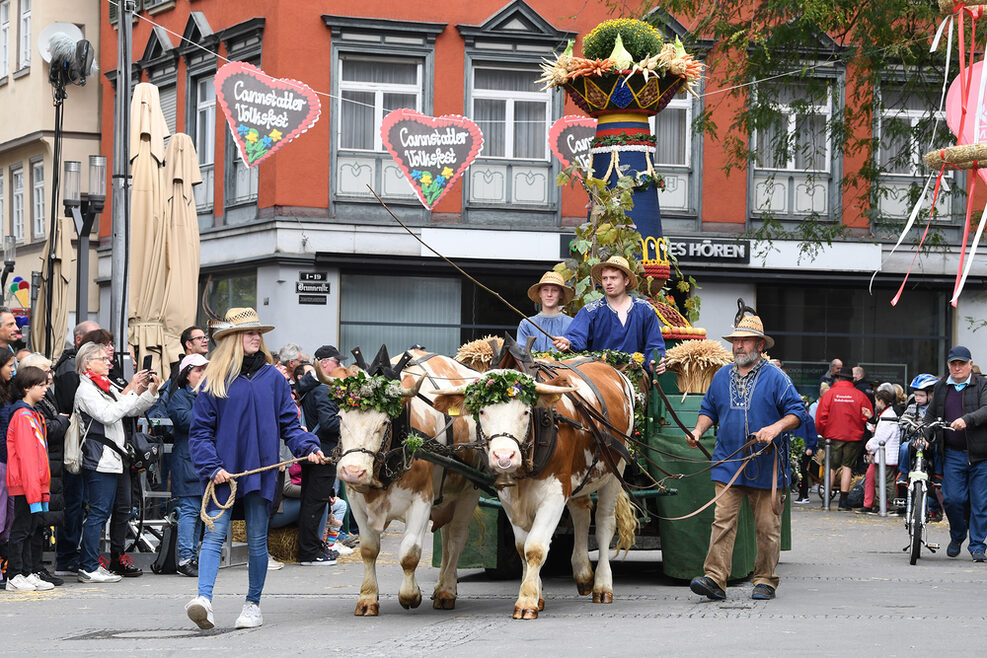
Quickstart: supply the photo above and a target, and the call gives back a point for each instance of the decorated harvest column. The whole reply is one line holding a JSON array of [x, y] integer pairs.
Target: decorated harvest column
[[628, 75]]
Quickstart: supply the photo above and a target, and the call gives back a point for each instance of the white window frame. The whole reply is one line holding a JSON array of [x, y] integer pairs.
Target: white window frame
[[4, 38], [677, 103], [24, 35], [791, 127], [3, 207], [913, 117], [378, 89], [17, 202], [510, 98], [38, 198], [205, 133]]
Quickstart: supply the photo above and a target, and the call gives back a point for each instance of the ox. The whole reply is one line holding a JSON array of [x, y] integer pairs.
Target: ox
[[364, 437], [577, 468]]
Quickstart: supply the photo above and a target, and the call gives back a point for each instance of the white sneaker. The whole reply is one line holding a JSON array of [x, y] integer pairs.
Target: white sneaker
[[199, 610], [250, 617], [100, 575], [342, 550], [39, 583], [272, 564], [20, 583]]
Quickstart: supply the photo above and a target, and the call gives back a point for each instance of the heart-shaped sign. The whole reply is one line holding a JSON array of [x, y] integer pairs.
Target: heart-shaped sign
[[570, 139], [954, 111], [433, 152], [264, 113]]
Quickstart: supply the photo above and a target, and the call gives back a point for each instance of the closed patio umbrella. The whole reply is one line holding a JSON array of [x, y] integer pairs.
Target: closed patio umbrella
[[147, 274], [181, 222], [58, 278]]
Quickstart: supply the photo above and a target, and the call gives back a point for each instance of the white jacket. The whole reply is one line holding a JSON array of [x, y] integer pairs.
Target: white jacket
[[110, 412], [887, 430]]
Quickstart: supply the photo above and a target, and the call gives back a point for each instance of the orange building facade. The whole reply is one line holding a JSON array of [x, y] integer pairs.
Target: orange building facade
[[302, 238]]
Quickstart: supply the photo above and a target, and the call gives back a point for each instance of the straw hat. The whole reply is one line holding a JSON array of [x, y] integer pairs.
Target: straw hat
[[750, 326], [555, 279], [617, 263], [240, 319]]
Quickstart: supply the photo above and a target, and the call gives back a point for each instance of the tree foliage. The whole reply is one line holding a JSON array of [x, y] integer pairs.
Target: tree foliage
[[867, 61]]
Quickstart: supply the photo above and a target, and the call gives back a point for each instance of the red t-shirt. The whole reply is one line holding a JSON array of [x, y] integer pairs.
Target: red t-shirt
[[840, 413]]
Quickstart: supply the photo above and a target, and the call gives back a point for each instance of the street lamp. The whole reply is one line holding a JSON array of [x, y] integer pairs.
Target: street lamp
[[83, 208]]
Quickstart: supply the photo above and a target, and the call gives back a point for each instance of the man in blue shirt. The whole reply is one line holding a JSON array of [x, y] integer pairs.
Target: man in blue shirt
[[750, 398], [617, 321], [552, 293]]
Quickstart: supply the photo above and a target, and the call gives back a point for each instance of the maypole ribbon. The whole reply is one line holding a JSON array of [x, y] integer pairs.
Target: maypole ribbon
[[935, 197]]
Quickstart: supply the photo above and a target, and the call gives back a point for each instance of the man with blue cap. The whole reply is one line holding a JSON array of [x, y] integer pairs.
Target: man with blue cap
[[961, 401]]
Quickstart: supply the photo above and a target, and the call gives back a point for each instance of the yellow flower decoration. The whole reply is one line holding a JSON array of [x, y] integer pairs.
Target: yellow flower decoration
[[275, 134], [426, 178], [252, 136], [638, 357], [447, 173]]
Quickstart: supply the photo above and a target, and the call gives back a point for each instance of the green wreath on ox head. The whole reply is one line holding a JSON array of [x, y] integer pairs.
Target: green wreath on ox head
[[365, 393], [497, 387]]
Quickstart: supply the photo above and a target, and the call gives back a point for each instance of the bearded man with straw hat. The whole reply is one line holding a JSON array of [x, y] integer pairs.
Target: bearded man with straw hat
[[749, 399], [552, 293], [616, 321]]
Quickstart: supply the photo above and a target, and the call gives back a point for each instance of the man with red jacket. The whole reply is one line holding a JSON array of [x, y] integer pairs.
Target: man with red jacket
[[842, 414]]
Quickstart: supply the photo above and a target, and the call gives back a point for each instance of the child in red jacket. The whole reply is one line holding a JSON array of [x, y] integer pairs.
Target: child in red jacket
[[28, 478]]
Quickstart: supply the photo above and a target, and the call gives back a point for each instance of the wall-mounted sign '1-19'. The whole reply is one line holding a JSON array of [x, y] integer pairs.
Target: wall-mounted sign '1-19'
[[264, 113], [433, 152]]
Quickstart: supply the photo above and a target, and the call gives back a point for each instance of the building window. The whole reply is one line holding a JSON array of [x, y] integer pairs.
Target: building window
[[514, 115], [672, 128], [4, 38], [399, 311], [793, 152], [204, 128], [3, 208], [17, 199], [370, 88], [226, 291], [24, 51], [38, 199], [905, 125]]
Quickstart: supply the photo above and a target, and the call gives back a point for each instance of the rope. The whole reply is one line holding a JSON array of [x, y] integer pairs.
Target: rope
[[210, 492]]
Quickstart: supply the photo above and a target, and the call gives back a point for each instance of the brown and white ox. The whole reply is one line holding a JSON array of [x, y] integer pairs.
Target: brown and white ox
[[410, 497], [534, 506]]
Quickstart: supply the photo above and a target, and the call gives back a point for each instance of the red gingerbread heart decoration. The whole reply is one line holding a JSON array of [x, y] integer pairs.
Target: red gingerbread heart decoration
[[433, 152], [264, 113], [570, 138]]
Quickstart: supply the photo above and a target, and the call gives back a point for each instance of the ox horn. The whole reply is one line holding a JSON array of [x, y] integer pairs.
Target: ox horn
[[412, 390], [548, 389]]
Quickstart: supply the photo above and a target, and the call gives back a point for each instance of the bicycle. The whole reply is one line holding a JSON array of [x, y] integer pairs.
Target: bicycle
[[916, 502]]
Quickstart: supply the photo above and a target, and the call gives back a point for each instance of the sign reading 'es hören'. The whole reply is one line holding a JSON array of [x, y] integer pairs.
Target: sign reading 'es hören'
[[264, 113]]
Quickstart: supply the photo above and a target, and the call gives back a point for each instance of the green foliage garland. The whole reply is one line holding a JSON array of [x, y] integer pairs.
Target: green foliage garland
[[497, 387], [366, 393]]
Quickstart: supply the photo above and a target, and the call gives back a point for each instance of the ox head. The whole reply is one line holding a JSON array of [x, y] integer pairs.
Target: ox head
[[367, 409], [501, 402]]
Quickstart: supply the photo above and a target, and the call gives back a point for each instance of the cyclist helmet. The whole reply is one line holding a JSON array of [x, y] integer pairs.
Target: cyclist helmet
[[923, 382]]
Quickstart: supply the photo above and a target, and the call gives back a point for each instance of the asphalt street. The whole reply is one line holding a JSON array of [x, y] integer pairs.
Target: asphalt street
[[845, 586]]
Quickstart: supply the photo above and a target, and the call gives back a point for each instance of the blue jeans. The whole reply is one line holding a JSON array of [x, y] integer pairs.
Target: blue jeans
[[256, 517], [188, 527], [70, 532], [101, 489], [965, 485]]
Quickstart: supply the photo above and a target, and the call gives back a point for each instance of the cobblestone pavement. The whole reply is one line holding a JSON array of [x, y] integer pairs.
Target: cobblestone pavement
[[846, 586]]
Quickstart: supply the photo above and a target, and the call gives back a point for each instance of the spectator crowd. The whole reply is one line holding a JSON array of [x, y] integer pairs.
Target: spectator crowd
[[83, 511]]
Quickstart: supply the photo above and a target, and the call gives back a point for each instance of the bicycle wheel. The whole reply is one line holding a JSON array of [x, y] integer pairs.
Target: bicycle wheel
[[918, 521]]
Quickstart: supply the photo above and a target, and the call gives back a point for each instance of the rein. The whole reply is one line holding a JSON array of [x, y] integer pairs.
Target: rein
[[210, 492]]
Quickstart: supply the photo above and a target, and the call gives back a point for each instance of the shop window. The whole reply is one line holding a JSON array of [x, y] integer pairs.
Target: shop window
[[228, 291], [399, 312]]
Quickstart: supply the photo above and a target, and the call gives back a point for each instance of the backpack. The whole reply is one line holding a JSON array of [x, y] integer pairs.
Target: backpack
[[166, 561], [72, 446]]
